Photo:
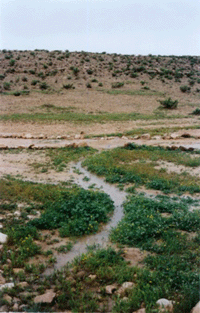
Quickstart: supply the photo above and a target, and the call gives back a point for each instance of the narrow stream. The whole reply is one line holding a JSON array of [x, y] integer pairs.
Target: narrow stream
[[100, 238]]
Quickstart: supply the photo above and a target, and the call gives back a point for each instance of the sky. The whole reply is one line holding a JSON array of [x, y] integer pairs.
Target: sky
[[115, 26]]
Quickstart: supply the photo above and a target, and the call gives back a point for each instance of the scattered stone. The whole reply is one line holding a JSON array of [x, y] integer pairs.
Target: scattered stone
[[1, 247], [22, 284], [28, 136], [3, 238], [21, 147], [125, 298], [196, 309], [164, 305], [1, 226], [32, 146], [183, 148], [92, 277], [190, 149], [2, 280], [82, 144], [15, 307], [136, 137], [78, 136], [172, 147], [124, 137], [41, 136], [16, 300], [8, 286], [80, 274], [125, 286], [140, 311], [7, 298], [186, 135], [3, 147], [145, 136], [18, 270], [157, 137], [4, 308], [174, 136], [111, 288], [47, 297]]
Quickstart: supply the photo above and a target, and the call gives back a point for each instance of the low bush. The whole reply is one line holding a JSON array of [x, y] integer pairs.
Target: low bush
[[76, 214], [118, 85], [169, 103], [185, 88]]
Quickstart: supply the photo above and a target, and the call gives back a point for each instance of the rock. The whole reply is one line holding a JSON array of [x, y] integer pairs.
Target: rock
[[4, 308], [2, 280], [140, 311], [110, 289], [136, 137], [156, 137], [134, 256], [7, 298], [77, 136], [174, 136], [27, 136], [82, 144], [21, 147], [182, 148], [145, 136], [8, 286], [92, 277], [32, 146], [173, 148], [41, 136], [3, 238], [16, 300], [125, 286], [196, 309], [186, 135], [80, 274], [18, 270], [190, 149], [22, 284], [124, 137], [47, 297], [15, 307], [3, 147], [164, 305], [1, 247]]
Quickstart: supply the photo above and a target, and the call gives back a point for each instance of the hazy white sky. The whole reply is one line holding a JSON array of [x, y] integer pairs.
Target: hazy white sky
[[116, 26]]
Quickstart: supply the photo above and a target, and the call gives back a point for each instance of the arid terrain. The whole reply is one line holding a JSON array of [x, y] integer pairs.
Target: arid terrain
[[134, 123]]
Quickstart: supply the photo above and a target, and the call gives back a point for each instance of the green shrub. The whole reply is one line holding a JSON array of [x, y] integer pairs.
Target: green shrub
[[68, 86], [2, 77], [118, 85], [88, 85], [76, 214], [90, 72], [34, 82], [12, 62], [169, 103], [185, 88], [196, 111], [43, 86], [6, 85]]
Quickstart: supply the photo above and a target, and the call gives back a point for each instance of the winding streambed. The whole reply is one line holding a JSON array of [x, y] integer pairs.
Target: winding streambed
[[101, 238]]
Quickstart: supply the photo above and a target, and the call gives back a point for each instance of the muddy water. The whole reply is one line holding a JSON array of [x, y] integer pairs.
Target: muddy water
[[101, 238]]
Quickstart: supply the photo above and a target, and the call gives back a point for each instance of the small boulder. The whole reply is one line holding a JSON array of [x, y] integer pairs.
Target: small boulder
[[110, 289], [196, 309], [174, 136], [92, 277], [47, 297], [3, 147], [80, 274], [2, 280], [145, 136], [165, 305], [3, 238], [7, 285], [124, 287], [78, 136], [28, 136], [7, 298], [140, 311], [186, 135], [22, 284]]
